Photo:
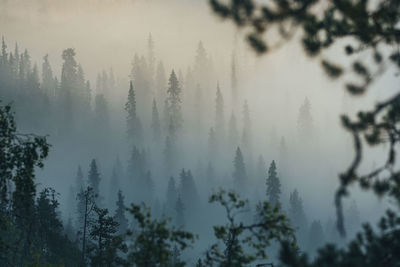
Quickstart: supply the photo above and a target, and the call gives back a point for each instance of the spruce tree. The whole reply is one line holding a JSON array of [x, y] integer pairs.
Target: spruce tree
[[119, 216], [106, 246], [273, 185], [175, 118], [239, 172], [297, 215], [188, 192], [47, 78], [133, 125], [94, 180]]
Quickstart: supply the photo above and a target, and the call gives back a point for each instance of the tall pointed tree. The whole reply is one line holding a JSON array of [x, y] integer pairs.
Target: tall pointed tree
[[239, 170], [94, 179], [273, 185], [175, 118], [133, 125], [119, 216]]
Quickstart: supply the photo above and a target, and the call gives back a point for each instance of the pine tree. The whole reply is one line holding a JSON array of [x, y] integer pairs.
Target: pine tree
[[68, 85], [102, 117], [239, 172], [86, 206], [47, 78], [297, 215], [175, 117], [188, 192], [179, 210], [273, 185], [316, 237], [219, 115], [133, 125], [114, 184], [94, 180], [107, 245], [155, 123], [119, 216]]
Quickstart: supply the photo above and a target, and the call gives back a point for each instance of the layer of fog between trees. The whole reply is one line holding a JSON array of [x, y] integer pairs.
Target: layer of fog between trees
[[279, 108]]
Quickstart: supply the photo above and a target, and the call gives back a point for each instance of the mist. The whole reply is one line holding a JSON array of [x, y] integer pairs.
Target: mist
[[278, 108]]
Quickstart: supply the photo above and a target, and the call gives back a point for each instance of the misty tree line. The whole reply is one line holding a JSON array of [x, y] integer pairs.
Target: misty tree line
[[158, 119]]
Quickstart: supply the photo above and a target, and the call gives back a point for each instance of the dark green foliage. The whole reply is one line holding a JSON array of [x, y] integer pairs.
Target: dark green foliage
[[119, 216], [29, 228], [173, 105], [239, 172], [246, 243], [94, 179], [273, 185], [106, 245], [369, 249], [154, 240], [133, 124]]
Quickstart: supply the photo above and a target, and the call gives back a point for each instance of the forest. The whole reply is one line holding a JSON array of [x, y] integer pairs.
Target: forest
[[245, 134]]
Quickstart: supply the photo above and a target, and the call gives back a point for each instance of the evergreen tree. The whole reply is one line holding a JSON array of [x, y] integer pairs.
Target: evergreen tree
[[155, 123], [189, 194], [316, 237], [48, 85], [68, 85], [170, 155], [94, 180], [119, 216], [106, 245], [297, 215], [133, 125], [175, 117], [239, 172], [273, 185], [86, 206], [114, 184]]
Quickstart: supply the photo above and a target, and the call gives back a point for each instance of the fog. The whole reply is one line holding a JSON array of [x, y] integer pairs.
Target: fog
[[306, 141]]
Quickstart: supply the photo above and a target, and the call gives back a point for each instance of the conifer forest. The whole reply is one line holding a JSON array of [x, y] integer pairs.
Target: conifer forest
[[221, 133]]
